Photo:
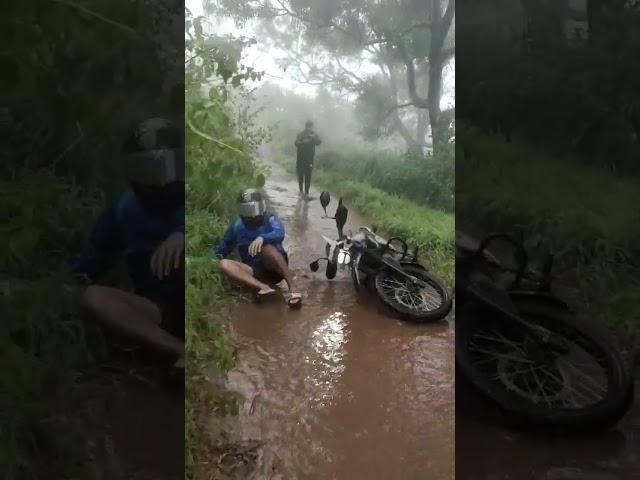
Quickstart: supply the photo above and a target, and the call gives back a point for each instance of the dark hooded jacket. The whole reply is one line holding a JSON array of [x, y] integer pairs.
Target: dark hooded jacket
[[306, 143]]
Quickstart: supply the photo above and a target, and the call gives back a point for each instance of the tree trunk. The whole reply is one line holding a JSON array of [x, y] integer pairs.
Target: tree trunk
[[422, 127], [434, 96], [413, 145]]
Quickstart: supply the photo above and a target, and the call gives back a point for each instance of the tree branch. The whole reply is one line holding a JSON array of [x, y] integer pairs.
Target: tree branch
[[97, 15], [398, 107], [448, 18], [411, 80], [349, 72]]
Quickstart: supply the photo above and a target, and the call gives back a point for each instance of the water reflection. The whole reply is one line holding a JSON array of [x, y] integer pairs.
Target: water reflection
[[301, 214], [328, 340]]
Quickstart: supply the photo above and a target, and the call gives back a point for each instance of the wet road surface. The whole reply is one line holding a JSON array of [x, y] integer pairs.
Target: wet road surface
[[485, 450], [339, 389], [138, 432]]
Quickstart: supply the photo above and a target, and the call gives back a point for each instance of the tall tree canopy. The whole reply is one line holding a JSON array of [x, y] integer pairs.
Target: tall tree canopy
[[406, 43]]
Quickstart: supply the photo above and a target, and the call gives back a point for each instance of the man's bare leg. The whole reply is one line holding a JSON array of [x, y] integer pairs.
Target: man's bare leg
[[275, 261], [243, 274], [131, 315]]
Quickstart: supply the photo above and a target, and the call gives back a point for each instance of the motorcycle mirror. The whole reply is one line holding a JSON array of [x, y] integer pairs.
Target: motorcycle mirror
[[325, 199], [331, 271], [341, 216], [314, 266]]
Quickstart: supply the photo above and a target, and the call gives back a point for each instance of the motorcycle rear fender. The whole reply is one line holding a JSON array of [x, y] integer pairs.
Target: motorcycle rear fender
[[542, 298], [485, 292], [489, 294], [414, 264]]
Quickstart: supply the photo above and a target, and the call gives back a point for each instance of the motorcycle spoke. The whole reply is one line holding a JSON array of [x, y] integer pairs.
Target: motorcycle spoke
[[593, 382], [393, 281], [541, 386], [565, 373], [502, 340], [402, 292], [501, 355]]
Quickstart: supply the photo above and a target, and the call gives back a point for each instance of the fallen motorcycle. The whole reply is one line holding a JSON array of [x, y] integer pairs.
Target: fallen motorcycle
[[387, 267], [525, 349]]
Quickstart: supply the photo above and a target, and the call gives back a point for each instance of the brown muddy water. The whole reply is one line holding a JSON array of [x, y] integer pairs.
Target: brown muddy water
[[138, 432], [485, 450], [339, 389], [147, 434]]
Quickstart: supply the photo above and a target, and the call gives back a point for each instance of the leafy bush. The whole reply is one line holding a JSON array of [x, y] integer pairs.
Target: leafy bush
[[573, 97], [46, 214], [587, 217], [425, 179], [219, 164], [66, 103]]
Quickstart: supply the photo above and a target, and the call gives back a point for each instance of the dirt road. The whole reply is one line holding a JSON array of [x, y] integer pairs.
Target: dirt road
[[339, 389]]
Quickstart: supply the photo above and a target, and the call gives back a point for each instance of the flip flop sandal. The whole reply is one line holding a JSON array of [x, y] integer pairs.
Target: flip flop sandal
[[295, 301], [266, 297]]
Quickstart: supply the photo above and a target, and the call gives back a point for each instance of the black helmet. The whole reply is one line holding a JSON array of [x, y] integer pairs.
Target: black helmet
[[155, 153]]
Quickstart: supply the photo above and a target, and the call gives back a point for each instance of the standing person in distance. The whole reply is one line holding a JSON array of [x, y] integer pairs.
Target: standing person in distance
[[306, 143]]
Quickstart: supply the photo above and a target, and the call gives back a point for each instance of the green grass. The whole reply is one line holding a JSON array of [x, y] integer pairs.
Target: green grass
[[215, 176], [432, 231], [46, 352], [588, 217]]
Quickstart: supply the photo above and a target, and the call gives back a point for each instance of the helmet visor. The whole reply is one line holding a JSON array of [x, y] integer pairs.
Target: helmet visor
[[251, 209], [156, 167]]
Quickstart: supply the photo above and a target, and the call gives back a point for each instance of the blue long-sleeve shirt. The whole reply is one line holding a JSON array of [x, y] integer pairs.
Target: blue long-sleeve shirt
[[237, 235], [124, 229]]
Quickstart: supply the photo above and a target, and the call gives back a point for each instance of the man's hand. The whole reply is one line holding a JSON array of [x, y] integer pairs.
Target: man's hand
[[168, 255], [256, 246]]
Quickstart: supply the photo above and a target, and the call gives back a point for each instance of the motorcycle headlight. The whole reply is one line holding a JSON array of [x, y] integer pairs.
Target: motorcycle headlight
[[344, 258]]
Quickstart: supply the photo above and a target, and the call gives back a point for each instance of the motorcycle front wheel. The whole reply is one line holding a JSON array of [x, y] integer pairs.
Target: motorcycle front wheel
[[401, 295], [575, 384]]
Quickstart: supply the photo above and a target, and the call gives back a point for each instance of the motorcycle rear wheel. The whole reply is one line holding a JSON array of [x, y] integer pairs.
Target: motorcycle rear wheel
[[533, 388], [430, 305]]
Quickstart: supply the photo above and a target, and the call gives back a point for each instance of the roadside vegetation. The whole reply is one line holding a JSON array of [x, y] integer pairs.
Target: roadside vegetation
[[585, 216], [219, 164], [62, 118], [554, 154]]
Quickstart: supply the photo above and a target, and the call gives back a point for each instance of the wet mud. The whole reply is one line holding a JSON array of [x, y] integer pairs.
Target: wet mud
[[486, 450], [339, 389], [137, 432]]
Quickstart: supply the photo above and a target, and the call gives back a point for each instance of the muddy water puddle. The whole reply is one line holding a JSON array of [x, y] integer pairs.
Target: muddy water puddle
[[485, 450], [138, 432], [147, 428], [340, 389]]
